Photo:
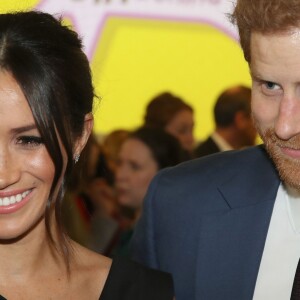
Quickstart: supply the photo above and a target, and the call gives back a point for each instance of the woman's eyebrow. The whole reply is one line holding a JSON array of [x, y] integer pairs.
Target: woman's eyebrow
[[23, 128]]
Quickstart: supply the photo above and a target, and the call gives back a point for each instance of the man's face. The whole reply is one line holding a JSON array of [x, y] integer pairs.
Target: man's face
[[275, 69]]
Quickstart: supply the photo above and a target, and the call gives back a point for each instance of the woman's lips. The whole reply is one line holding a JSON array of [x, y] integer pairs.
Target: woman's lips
[[11, 202]]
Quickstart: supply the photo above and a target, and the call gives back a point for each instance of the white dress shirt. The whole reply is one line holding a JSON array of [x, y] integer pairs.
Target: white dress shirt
[[282, 248]]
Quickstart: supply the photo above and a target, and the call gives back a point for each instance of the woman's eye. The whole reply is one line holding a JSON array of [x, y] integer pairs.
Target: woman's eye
[[29, 141], [134, 166]]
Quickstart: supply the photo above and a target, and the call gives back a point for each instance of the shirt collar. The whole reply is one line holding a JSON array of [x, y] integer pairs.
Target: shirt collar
[[293, 200], [221, 143]]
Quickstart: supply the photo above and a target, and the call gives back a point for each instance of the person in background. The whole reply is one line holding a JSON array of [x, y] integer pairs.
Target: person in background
[[234, 124], [227, 226], [142, 155], [175, 116], [111, 146], [89, 204], [91, 214], [77, 207], [46, 100]]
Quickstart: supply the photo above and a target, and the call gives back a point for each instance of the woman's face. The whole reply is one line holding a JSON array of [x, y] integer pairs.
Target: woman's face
[[26, 169], [135, 170], [182, 126]]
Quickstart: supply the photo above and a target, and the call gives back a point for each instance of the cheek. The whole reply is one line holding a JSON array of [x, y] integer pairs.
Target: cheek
[[172, 128], [42, 167], [183, 138], [264, 111], [169, 129]]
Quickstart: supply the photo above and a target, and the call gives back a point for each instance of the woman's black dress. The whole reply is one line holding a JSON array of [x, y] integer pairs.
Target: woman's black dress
[[128, 280]]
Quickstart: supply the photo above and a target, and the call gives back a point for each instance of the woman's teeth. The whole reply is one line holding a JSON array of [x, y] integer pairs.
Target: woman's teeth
[[5, 201]]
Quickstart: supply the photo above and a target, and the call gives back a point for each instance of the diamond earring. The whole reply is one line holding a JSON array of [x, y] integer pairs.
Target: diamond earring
[[76, 158]]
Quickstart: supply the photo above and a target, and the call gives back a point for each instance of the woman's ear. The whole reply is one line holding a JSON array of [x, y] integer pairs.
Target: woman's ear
[[82, 140]]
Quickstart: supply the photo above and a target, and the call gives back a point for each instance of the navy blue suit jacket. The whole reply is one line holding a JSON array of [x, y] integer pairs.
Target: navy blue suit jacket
[[206, 221]]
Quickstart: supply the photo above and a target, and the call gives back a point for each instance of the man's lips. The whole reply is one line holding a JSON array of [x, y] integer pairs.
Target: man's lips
[[293, 153]]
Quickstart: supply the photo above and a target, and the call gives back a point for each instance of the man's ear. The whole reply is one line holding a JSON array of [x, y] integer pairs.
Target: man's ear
[[87, 129]]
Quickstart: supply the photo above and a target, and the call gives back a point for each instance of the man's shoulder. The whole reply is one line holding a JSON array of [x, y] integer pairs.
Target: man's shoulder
[[227, 162], [204, 179]]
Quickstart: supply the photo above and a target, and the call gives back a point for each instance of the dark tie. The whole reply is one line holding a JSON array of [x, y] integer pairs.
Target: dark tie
[[296, 286]]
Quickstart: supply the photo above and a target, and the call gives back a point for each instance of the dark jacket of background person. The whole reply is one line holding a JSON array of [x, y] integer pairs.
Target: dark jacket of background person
[[207, 147]]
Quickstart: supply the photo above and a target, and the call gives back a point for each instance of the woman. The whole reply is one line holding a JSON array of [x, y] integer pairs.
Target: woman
[[142, 155], [46, 98], [175, 116]]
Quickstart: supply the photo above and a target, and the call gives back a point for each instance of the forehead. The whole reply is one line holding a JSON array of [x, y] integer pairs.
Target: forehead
[[278, 50], [135, 149], [182, 116], [14, 107]]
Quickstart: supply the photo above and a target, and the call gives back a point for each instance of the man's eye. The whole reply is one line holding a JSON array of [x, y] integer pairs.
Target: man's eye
[[29, 141], [270, 88], [271, 85]]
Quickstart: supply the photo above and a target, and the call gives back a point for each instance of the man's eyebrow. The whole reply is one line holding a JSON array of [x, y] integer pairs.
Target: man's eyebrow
[[254, 74], [24, 128]]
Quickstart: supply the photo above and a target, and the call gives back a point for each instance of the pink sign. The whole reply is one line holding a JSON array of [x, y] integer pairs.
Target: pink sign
[[89, 16]]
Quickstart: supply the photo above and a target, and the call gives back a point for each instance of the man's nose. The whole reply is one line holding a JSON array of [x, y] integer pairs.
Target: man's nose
[[287, 123]]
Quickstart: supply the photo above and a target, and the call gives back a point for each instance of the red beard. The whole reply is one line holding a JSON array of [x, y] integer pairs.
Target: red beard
[[288, 168]]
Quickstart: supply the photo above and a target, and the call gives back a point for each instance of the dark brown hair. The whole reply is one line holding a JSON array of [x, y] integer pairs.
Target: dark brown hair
[[165, 148], [162, 109], [231, 101]]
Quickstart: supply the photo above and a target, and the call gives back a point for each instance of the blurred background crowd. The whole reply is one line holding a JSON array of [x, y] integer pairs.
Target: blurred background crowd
[[105, 196]]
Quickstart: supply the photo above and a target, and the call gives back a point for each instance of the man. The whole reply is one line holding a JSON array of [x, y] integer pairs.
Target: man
[[227, 226], [234, 125]]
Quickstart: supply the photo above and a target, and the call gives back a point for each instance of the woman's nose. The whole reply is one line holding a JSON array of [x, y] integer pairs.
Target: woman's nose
[[9, 170], [121, 173]]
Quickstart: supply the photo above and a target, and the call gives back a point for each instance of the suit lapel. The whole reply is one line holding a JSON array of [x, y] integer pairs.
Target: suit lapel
[[232, 244], [232, 241]]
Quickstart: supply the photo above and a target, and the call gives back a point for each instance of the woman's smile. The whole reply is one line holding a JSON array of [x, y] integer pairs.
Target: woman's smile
[[13, 201]]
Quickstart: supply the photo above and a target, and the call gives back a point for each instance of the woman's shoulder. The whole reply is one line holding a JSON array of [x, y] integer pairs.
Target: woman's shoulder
[[130, 280]]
